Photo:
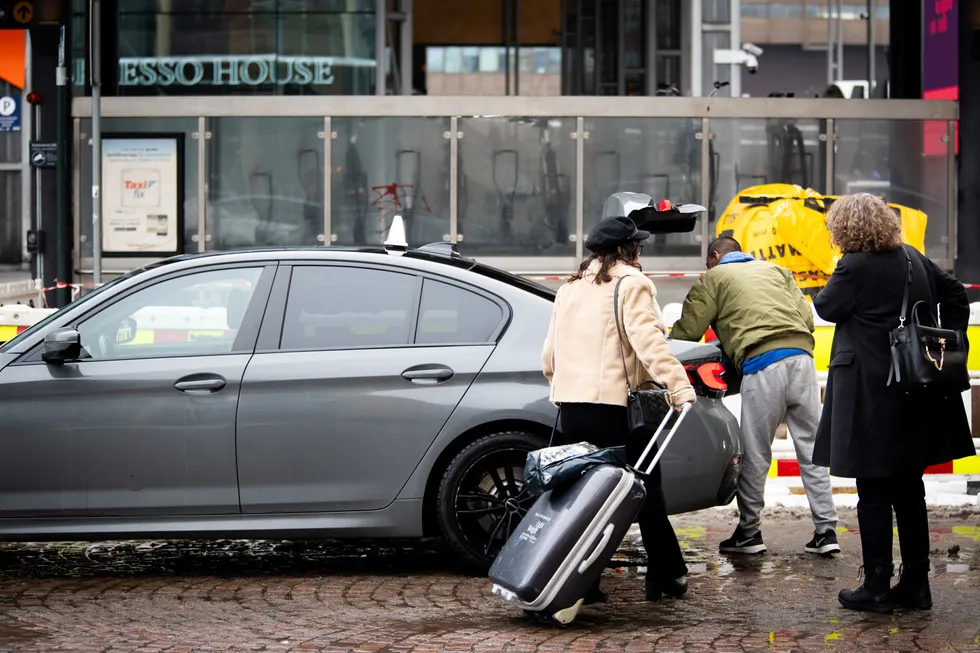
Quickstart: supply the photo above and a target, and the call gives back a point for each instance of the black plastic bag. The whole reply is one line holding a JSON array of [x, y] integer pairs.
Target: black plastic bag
[[553, 467]]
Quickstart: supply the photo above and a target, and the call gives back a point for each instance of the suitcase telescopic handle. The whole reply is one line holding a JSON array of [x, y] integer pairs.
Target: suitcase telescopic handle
[[656, 436]]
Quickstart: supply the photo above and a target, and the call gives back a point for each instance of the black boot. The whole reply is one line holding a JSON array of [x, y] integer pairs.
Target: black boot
[[912, 590], [874, 594], [675, 588]]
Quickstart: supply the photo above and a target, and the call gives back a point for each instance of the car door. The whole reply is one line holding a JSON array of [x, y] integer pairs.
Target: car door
[[144, 422], [341, 403]]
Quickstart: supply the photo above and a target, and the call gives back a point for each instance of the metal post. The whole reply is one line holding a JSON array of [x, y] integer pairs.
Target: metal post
[[621, 47], [506, 19], [202, 184], [952, 249], [830, 147], [578, 88], [650, 36], [76, 184], [697, 54], [61, 194], [453, 179], [597, 47], [380, 25], [830, 42], [27, 131], [95, 76], [563, 43], [871, 47], [580, 187], [735, 34], [327, 181], [516, 7], [405, 46], [38, 223], [705, 183], [840, 40]]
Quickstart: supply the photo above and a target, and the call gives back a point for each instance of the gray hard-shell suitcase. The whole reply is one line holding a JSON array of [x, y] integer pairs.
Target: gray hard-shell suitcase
[[560, 548]]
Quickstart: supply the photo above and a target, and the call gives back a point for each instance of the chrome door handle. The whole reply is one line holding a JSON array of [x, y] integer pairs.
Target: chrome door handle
[[428, 374], [201, 386]]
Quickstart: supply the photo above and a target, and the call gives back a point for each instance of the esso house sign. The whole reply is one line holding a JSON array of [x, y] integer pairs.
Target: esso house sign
[[255, 70]]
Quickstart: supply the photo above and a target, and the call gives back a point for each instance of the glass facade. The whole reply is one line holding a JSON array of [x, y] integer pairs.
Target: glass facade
[[387, 166], [517, 180], [265, 182], [657, 156]]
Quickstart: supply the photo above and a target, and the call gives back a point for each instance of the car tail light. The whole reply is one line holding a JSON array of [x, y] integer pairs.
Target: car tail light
[[707, 378], [711, 374]]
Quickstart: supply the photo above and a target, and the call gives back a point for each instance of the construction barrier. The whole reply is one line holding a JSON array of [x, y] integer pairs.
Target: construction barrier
[[784, 462], [16, 318]]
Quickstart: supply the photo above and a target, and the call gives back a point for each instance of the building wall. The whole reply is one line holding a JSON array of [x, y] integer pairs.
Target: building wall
[[480, 22], [791, 69]]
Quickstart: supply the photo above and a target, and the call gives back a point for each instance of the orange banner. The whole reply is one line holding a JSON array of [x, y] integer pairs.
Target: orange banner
[[13, 46]]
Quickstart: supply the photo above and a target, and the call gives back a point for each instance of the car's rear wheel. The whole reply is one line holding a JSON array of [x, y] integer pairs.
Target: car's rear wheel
[[482, 498]]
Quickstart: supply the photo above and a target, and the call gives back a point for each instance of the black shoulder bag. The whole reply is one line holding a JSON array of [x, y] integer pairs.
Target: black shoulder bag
[[646, 407], [923, 354]]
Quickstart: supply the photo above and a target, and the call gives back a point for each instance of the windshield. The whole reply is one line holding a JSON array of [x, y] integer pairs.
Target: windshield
[[10, 345]]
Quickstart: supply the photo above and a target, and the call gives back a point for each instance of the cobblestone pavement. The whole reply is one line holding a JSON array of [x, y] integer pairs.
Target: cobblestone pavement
[[273, 596]]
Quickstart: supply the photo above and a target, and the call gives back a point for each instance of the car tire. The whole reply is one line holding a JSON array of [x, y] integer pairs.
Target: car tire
[[481, 497]]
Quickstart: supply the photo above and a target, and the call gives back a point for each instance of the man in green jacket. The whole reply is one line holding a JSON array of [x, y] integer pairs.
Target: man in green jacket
[[765, 326]]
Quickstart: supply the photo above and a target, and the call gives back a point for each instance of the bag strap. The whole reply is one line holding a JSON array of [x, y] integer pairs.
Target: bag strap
[[908, 286], [895, 372], [554, 429], [619, 330]]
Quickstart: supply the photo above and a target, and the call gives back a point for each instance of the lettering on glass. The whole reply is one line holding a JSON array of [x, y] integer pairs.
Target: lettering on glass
[[232, 71]]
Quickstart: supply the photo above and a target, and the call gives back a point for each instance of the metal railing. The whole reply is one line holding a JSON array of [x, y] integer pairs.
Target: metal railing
[[703, 150]]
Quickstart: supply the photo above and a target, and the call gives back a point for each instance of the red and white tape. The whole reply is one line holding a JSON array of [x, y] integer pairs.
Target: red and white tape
[[696, 275]]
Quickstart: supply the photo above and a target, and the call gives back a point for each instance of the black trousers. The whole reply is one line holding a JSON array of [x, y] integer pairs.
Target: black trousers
[[605, 425], [877, 497]]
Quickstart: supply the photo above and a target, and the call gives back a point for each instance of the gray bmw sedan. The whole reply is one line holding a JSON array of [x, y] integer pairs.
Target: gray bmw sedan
[[299, 393]]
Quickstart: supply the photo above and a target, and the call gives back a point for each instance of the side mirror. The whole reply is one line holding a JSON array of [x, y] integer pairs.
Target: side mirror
[[62, 345]]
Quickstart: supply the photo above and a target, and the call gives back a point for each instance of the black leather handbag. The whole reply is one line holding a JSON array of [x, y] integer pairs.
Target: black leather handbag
[[924, 355], [647, 405]]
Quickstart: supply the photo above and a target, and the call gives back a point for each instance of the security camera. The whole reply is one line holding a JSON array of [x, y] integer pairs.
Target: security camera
[[747, 56], [752, 53]]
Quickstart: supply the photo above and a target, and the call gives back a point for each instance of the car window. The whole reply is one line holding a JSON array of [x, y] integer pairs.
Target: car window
[[332, 307], [451, 316], [21, 337], [195, 314]]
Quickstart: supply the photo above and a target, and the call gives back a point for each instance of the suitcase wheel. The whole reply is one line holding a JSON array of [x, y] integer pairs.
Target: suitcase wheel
[[553, 621], [545, 619]]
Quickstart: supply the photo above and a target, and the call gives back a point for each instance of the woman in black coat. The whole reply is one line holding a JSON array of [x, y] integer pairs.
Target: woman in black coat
[[882, 435]]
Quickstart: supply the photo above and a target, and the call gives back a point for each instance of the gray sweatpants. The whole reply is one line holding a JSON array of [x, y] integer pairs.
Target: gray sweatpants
[[786, 390]]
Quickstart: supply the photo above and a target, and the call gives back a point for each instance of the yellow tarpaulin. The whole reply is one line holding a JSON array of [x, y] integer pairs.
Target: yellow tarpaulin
[[787, 225]]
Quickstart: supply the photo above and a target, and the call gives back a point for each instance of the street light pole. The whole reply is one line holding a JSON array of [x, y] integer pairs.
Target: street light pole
[[63, 170], [95, 76]]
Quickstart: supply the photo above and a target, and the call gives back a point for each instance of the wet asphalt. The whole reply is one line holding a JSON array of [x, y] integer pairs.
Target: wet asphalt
[[408, 597]]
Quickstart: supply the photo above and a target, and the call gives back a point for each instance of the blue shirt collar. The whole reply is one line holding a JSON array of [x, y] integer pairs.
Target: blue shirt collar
[[735, 257]]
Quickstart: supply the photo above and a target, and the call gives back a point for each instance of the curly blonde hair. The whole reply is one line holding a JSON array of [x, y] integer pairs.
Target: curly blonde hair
[[863, 223]]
